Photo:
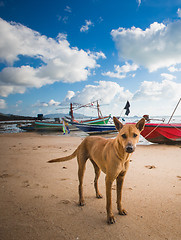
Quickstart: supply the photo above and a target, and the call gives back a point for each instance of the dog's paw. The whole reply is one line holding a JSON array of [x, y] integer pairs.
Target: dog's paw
[[81, 203], [110, 219], [99, 196], [123, 212]]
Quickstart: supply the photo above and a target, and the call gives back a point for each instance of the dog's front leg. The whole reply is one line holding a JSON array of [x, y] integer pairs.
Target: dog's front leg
[[120, 180], [110, 216]]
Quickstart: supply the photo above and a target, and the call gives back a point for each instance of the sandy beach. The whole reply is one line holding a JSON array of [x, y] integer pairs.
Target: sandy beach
[[39, 200]]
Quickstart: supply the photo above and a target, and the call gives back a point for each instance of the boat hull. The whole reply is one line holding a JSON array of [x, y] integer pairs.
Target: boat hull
[[48, 126], [96, 121], [95, 129], [162, 133]]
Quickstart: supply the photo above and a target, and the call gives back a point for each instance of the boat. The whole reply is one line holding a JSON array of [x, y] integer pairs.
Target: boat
[[94, 121], [162, 133], [26, 127], [40, 125], [48, 126], [95, 129], [99, 120], [168, 133]]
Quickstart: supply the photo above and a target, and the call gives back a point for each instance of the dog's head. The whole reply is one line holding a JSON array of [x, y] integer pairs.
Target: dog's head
[[129, 134]]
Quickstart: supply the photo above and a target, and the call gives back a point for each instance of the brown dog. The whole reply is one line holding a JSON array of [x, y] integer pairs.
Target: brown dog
[[109, 155]]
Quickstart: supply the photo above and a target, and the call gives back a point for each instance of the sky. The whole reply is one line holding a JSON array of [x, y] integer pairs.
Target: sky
[[53, 53]]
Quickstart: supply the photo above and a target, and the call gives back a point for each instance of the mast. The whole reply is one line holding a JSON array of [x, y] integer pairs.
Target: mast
[[174, 110], [71, 112]]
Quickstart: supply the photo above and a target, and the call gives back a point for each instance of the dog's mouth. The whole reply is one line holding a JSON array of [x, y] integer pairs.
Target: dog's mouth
[[130, 148]]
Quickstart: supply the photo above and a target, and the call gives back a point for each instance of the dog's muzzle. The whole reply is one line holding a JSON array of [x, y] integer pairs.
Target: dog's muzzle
[[130, 148]]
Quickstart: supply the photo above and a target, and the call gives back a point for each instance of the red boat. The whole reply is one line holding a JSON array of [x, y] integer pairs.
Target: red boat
[[162, 133]]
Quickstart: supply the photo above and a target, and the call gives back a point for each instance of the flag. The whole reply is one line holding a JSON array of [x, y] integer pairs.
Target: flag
[[127, 106]]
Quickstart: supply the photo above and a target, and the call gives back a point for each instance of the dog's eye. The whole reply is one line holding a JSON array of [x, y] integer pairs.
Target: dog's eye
[[135, 135], [124, 136]]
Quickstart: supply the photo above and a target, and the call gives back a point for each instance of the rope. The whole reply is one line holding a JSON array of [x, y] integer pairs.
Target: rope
[[175, 127], [157, 127], [152, 130]]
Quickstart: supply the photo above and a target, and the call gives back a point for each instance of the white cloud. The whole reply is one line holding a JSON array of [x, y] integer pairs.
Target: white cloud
[[120, 72], [139, 2], [18, 103], [167, 76], [153, 98], [68, 9], [155, 47], [2, 104], [70, 94], [51, 103], [87, 25], [179, 12], [174, 69], [109, 93], [60, 62], [165, 90]]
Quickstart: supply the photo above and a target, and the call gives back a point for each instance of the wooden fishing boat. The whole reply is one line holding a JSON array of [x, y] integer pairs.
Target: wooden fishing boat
[[99, 120], [168, 133], [162, 133], [95, 129], [48, 126]]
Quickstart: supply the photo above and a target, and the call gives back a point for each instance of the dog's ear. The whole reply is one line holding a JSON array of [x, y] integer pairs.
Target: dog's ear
[[140, 125], [117, 124]]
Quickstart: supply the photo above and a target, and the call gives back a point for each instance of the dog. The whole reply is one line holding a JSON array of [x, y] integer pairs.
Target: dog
[[112, 156]]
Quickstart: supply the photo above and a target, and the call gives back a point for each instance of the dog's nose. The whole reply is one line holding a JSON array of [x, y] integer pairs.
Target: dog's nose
[[129, 148]]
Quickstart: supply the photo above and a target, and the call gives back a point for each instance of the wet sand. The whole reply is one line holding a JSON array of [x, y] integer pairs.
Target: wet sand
[[39, 200]]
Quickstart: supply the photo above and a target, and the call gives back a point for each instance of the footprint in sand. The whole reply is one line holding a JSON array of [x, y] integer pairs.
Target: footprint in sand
[[26, 184], [150, 166], [179, 178]]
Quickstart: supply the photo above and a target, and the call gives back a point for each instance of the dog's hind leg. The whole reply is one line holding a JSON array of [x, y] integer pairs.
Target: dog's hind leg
[[81, 170], [97, 174]]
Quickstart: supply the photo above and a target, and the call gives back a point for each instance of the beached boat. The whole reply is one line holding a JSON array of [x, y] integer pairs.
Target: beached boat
[[99, 120], [46, 125], [95, 129], [168, 133], [162, 133]]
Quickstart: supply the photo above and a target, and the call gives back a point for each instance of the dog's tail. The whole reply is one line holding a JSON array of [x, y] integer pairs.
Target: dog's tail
[[63, 159]]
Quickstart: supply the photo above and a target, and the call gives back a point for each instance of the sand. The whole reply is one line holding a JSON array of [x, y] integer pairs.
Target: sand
[[39, 200]]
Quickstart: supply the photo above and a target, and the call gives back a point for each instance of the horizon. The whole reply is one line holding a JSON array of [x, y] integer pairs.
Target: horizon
[[52, 54]]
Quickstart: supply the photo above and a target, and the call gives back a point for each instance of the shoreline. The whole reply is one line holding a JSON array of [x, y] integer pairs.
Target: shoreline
[[39, 200]]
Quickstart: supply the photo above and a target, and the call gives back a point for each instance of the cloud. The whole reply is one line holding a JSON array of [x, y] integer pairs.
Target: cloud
[[70, 94], [18, 103], [139, 2], [2, 104], [156, 47], [167, 76], [174, 69], [46, 104], [179, 12], [87, 25], [68, 9], [60, 61], [107, 92], [156, 91], [120, 72], [154, 98]]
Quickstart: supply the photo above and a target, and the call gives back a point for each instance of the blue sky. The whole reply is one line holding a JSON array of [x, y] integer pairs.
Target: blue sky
[[56, 52]]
